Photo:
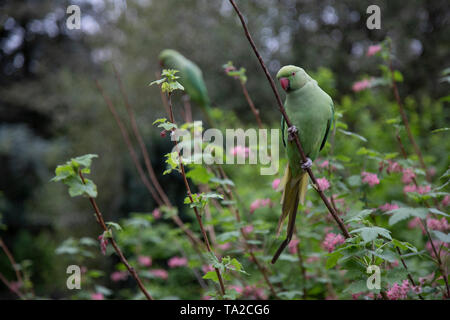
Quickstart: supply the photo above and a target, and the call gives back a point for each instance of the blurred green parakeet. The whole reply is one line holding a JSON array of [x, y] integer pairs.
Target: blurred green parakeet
[[311, 111], [191, 78]]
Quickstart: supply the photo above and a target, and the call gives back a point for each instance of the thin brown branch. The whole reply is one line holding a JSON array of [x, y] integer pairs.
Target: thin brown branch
[[405, 119], [10, 287], [189, 193], [129, 144], [102, 223], [12, 261], [194, 240], [330, 208], [134, 126], [252, 105]]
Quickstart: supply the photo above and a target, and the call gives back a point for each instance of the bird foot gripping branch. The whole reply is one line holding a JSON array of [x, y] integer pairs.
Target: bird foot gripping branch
[[307, 164], [292, 131]]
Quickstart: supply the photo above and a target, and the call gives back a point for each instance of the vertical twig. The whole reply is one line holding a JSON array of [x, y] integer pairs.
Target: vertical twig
[[188, 189], [405, 118], [330, 208], [115, 246], [248, 247]]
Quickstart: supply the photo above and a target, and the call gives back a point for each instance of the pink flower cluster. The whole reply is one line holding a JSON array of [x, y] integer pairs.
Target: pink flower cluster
[[420, 189], [370, 178], [276, 184], [247, 229], [361, 85], [331, 241], [175, 262], [250, 291], [435, 224], [323, 183], [119, 276], [388, 207], [372, 50], [240, 151], [160, 273], [145, 261], [156, 214], [103, 243], [400, 291], [260, 203], [437, 245], [97, 296], [292, 246], [408, 176]]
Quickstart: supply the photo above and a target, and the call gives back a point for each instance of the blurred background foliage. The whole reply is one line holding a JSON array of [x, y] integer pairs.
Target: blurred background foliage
[[50, 109]]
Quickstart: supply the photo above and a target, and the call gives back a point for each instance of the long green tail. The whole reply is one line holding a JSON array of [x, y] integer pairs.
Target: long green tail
[[294, 192]]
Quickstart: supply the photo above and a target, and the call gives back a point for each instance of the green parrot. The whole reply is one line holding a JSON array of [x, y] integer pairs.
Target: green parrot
[[191, 78], [311, 112]]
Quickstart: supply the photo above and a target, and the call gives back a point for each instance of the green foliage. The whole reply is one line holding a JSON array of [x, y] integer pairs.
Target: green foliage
[[70, 174], [169, 81]]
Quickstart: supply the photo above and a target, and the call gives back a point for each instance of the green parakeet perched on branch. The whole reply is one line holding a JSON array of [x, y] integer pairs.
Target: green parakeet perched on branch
[[191, 78], [311, 112]]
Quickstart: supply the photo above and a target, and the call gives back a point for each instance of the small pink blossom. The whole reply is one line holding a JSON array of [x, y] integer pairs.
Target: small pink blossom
[[156, 214], [416, 222], [260, 203], [248, 229], [292, 247], [323, 183], [408, 176], [435, 224], [224, 246], [207, 267], [175, 262], [145, 261], [103, 243], [276, 184], [160, 273], [119, 276], [388, 207], [361, 85], [331, 241], [393, 167], [240, 151], [237, 288], [373, 50], [97, 296], [420, 189], [424, 189], [370, 178], [254, 293], [398, 291], [324, 164]]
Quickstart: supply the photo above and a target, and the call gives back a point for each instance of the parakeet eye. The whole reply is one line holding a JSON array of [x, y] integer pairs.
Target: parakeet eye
[[293, 73]]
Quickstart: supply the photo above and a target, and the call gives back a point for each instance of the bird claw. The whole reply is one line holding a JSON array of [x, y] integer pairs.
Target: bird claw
[[292, 131], [307, 164]]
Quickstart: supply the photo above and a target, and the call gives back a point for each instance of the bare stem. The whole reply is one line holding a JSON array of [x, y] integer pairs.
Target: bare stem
[[12, 261], [330, 208]]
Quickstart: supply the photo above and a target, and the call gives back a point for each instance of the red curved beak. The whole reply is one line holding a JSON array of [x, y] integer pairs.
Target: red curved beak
[[284, 83]]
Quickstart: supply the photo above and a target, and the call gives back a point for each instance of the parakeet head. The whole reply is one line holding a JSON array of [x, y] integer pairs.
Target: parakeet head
[[292, 78]]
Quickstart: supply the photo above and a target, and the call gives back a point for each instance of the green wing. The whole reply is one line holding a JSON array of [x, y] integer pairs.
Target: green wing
[[329, 124]]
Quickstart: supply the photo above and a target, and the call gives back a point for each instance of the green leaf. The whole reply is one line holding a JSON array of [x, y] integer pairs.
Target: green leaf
[[371, 233], [352, 134], [199, 175], [405, 213], [441, 236], [438, 212], [114, 225], [440, 130], [398, 76], [211, 275]]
